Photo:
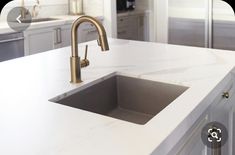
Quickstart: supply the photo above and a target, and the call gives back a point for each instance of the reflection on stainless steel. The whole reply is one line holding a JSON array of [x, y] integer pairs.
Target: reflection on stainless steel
[[11, 46]]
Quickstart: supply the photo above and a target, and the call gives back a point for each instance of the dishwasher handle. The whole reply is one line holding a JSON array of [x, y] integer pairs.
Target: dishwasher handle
[[11, 40]]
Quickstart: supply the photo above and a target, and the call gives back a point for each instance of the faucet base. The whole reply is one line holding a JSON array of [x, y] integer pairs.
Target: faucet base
[[75, 70]]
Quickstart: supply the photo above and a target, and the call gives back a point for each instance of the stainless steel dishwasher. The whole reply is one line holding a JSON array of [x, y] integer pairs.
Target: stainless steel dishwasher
[[11, 46]]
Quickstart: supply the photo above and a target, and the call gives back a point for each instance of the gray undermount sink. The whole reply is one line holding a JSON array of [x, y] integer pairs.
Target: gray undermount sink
[[126, 98]]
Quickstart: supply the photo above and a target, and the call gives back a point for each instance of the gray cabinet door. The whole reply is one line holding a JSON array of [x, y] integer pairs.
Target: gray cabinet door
[[191, 143], [222, 111], [219, 113], [231, 127]]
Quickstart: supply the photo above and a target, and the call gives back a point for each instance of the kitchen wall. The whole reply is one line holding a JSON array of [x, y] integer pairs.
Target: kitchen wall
[[93, 7], [186, 3], [55, 7]]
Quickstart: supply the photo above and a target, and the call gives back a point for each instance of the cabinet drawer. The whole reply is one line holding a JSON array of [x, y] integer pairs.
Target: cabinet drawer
[[39, 40], [128, 27], [123, 21], [124, 35], [131, 22]]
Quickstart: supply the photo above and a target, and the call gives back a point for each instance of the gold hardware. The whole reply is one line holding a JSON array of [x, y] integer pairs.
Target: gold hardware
[[75, 59], [34, 10], [75, 69], [98, 42], [23, 11], [225, 95], [85, 62]]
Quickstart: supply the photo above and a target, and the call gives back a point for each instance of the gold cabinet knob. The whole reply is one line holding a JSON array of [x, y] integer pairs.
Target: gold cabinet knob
[[225, 95]]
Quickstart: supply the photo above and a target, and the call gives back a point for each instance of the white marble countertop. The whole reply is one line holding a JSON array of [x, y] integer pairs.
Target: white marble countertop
[[32, 125], [61, 20]]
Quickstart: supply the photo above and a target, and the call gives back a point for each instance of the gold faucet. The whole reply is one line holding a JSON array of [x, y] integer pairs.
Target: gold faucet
[[23, 11], [75, 63], [34, 10]]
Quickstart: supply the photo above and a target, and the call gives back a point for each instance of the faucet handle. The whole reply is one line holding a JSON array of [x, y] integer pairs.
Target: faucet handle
[[85, 62], [86, 50], [98, 41]]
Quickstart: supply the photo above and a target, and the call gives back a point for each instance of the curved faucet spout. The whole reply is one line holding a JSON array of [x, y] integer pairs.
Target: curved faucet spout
[[75, 59], [101, 31]]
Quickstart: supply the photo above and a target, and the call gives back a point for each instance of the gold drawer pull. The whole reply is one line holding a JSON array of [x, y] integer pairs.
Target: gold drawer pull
[[225, 95]]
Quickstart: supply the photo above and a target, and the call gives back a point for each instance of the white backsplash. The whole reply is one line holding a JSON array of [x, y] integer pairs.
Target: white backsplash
[[45, 10], [93, 7], [60, 7]]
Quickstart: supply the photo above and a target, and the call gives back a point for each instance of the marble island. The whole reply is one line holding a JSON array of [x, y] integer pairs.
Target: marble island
[[33, 125]]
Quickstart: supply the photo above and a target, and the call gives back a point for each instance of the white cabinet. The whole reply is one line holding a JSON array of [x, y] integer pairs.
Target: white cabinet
[[44, 39], [62, 36], [39, 40], [133, 27], [66, 35], [48, 38], [86, 32]]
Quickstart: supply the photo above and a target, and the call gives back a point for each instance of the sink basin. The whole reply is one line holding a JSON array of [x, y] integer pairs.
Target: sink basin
[[125, 98], [35, 20]]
